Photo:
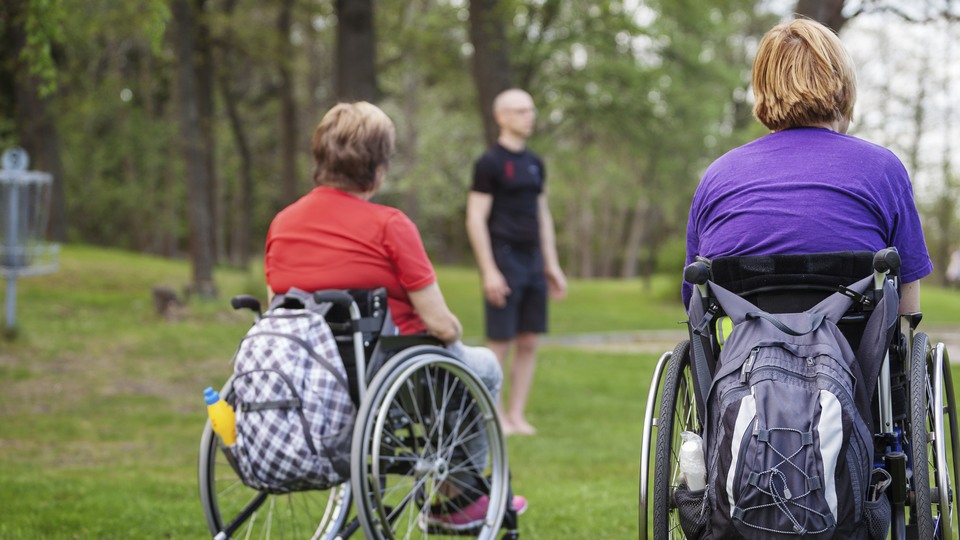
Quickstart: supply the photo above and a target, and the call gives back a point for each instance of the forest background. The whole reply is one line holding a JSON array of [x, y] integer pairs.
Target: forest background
[[180, 127]]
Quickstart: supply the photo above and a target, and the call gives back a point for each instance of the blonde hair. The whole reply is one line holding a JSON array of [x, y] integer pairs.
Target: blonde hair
[[351, 142], [802, 76]]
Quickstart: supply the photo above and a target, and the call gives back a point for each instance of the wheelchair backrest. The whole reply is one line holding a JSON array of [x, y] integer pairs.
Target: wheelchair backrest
[[795, 283], [380, 336]]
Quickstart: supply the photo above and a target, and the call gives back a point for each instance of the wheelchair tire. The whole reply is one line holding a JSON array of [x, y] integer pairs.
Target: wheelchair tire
[[932, 507], [234, 510], [418, 416], [678, 412], [920, 390]]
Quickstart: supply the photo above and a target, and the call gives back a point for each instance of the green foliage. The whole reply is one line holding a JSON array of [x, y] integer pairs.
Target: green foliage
[[43, 30], [634, 100]]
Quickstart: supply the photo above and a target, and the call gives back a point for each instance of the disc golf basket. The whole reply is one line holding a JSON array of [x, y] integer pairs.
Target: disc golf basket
[[24, 212]]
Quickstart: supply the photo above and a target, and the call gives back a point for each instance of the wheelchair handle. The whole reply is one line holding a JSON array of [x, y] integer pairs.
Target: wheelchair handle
[[245, 301], [697, 273], [886, 260]]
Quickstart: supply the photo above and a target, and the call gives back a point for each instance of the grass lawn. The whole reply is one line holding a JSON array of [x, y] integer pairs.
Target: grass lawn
[[101, 408]]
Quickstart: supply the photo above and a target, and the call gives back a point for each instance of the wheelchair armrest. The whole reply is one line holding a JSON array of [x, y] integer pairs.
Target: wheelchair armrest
[[393, 343]]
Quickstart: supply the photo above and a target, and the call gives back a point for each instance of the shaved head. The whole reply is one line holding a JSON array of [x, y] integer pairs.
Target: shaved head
[[515, 114], [514, 98]]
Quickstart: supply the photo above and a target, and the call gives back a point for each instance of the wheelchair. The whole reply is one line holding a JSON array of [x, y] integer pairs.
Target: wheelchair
[[915, 419], [418, 409]]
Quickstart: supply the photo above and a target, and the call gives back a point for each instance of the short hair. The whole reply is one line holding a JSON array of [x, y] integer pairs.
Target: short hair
[[350, 143], [802, 76]]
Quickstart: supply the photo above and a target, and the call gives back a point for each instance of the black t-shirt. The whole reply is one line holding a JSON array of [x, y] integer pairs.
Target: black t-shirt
[[515, 181]]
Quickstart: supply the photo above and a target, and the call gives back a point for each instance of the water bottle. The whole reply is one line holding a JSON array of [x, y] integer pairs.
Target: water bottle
[[691, 461], [222, 418]]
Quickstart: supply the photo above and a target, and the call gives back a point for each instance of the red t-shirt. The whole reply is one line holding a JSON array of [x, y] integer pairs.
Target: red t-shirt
[[330, 239]]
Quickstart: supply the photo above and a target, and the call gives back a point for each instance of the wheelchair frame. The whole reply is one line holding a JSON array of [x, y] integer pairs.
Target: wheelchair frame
[[922, 481], [406, 445]]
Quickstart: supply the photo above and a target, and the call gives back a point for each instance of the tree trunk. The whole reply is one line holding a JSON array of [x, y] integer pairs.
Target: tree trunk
[[492, 72], [39, 137], [205, 89], [193, 147], [635, 236], [35, 125], [827, 12], [288, 108], [241, 237], [356, 51]]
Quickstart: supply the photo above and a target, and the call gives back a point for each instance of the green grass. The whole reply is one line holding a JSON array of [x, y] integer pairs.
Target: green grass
[[590, 306], [101, 411]]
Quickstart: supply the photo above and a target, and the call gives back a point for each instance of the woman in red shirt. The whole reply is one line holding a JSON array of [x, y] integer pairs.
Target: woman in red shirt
[[335, 238]]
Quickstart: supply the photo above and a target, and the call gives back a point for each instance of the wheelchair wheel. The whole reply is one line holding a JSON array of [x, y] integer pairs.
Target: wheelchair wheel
[[932, 410], [646, 465], [678, 412], [234, 510], [419, 450]]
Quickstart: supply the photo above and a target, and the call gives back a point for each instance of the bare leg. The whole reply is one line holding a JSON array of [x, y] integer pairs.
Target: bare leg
[[521, 379], [501, 348]]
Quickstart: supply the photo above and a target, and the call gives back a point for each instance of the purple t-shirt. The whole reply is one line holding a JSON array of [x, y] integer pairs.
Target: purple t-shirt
[[802, 191]]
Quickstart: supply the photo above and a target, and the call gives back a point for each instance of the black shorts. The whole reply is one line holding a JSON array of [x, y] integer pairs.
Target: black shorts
[[526, 307]]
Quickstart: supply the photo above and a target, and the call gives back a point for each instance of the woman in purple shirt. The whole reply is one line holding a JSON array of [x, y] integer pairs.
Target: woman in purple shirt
[[807, 187]]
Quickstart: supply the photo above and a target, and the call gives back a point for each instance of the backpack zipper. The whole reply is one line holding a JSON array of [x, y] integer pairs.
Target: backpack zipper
[[748, 365], [796, 375]]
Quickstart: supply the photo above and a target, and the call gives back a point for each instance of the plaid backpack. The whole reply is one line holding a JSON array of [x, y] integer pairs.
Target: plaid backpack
[[293, 406]]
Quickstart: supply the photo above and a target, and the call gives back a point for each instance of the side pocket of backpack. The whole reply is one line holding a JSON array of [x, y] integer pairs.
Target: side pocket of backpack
[[693, 511]]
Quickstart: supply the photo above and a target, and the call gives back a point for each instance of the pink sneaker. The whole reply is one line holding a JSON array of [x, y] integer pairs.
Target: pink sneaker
[[472, 516]]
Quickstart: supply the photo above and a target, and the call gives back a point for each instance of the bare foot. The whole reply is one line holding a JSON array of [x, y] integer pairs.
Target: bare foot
[[506, 427], [522, 427]]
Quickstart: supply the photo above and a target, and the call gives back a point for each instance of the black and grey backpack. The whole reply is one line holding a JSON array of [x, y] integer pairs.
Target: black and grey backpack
[[789, 452], [293, 406]]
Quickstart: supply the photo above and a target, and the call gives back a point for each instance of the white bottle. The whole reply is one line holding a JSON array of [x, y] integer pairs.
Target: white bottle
[[692, 468]]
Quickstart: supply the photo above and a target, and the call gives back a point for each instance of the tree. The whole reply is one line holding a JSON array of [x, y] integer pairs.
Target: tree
[[242, 209], [32, 34], [288, 107], [827, 12], [195, 152], [492, 72], [356, 51]]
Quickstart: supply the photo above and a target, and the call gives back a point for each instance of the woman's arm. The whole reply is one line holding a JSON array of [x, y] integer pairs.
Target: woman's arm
[[910, 297], [441, 323]]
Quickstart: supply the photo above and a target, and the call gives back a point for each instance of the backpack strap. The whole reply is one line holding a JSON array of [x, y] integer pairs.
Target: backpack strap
[[832, 308], [739, 310], [815, 321], [702, 359], [837, 304], [876, 340]]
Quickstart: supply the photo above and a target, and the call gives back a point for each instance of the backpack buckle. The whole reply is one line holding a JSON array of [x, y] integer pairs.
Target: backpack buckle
[[860, 298]]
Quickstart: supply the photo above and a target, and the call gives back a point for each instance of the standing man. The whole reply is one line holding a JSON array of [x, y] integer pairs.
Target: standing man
[[511, 231]]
